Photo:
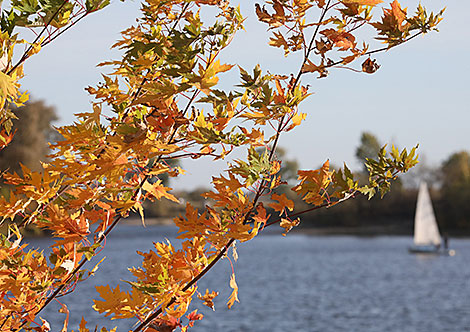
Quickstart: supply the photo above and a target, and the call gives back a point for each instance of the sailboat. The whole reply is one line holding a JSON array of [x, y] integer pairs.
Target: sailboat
[[427, 239]]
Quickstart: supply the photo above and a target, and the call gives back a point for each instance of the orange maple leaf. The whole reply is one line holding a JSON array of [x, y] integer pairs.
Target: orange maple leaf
[[208, 298], [313, 184], [121, 160], [342, 39], [310, 67], [5, 138], [394, 23], [82, 327], [398, 12], [284, 203]]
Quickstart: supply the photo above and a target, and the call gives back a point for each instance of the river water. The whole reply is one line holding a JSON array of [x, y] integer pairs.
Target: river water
[[302, 283]]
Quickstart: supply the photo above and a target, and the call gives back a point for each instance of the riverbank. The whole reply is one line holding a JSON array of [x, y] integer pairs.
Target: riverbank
[[355, 231], [365, 231], [382, 230]]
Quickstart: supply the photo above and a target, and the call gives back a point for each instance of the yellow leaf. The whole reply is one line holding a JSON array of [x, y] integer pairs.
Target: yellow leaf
[[158, 191], [296, 120], [216, 67], [120, 304], [96, 267], [15, 230], [234, 296], [158, 169], [201, 121], [8, 87]]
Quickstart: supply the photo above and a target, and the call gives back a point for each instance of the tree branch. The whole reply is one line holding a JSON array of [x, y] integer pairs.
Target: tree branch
[[382, 49], [25, 54], [310, 45]]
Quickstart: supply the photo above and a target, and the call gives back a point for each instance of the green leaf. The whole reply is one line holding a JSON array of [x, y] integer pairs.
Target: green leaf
[[94, 5]]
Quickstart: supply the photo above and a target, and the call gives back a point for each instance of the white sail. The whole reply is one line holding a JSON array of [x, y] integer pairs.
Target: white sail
[[426, 231]]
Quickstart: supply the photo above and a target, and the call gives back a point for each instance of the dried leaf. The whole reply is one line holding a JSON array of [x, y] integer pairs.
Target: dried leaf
[[234, 296], [208, 298], [370, 66], [288, 224]]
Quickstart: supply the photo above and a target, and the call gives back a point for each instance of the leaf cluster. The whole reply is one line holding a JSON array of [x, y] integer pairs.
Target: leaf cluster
[[161, 102]]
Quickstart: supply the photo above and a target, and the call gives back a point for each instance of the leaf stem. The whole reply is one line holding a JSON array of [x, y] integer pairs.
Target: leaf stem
[[50, 40]]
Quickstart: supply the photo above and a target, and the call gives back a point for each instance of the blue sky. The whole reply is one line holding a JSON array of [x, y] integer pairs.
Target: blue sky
[[419, 95]]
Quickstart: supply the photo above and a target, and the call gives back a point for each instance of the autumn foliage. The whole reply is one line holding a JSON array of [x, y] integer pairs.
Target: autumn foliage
[[160, 102]]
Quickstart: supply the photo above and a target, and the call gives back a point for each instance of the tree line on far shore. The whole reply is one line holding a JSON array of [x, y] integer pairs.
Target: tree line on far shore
[[449, 184]]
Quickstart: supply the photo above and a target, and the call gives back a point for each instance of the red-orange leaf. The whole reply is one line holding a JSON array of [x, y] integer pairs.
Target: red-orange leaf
[[193, 316], [398, 12], [5, 138]]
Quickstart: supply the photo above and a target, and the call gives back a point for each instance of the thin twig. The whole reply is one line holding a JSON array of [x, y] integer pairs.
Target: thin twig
[[382, 49], [25, 54], [310, 46], [50, 40]]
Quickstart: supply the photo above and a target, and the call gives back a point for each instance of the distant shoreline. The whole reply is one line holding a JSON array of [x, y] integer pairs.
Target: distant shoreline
[[148, 221], [365, 231], [354, 231]]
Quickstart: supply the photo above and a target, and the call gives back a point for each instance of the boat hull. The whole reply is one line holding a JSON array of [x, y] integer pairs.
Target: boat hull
[[431, 250]]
